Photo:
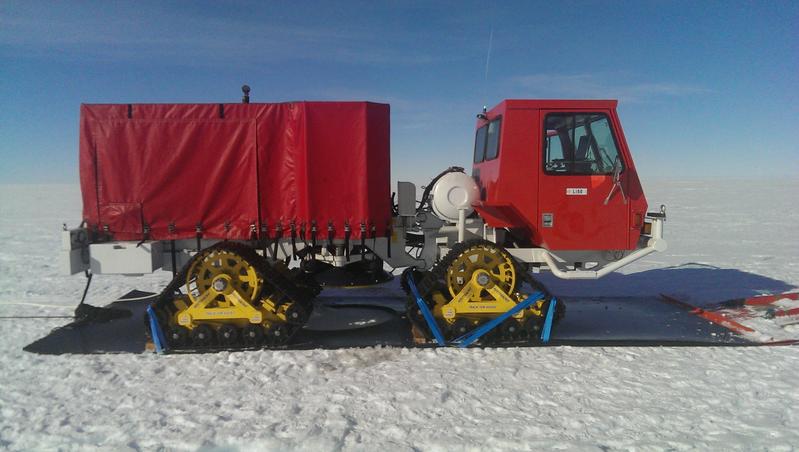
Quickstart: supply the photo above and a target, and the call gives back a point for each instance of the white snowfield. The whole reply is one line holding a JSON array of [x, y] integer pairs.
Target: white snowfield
[[565, 398]]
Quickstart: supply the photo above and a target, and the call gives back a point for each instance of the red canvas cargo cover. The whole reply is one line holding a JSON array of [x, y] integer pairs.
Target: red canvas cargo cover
[[236, 171]]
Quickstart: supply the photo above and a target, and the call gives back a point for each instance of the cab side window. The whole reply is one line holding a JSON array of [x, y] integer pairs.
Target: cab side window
[[486, 142], [493, 139], [480, 144], [580, 144]]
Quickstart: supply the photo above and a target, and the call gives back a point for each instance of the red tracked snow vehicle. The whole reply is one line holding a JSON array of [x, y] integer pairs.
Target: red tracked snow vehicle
[[227, 196]]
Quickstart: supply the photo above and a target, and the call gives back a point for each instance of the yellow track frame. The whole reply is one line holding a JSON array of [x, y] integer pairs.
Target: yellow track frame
[[237, 308], [472, 299], [222, 287], [482, 284]]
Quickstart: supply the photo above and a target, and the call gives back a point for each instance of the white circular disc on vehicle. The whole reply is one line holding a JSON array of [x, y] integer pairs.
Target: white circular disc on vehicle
[[454, 192]]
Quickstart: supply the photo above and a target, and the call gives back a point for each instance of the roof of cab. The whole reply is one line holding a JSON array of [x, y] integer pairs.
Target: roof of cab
[[558, 104]]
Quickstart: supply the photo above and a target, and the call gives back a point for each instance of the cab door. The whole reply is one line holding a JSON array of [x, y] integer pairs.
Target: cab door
[[582, 191]]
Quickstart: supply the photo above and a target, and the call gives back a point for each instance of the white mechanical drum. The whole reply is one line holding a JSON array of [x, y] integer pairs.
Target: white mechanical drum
[[454, 192]]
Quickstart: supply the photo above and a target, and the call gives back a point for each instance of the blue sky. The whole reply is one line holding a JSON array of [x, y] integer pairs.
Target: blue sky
[[706, 89]]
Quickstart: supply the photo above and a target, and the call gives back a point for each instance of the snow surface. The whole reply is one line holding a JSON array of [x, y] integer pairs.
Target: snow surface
[[727, 239]]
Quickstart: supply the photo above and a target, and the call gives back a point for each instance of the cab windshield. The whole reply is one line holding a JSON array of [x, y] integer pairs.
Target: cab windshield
[[580, 144]]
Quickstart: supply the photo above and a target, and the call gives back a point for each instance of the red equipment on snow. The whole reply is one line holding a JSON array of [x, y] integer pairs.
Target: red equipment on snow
[[227, 196]]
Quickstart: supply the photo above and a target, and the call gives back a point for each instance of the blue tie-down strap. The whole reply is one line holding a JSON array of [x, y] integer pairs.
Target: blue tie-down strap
[[547, 331], [428, 316], [155, 331], [469, 338]]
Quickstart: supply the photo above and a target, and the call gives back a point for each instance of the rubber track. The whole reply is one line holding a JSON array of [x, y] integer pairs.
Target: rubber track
[[276, 281], [435, 278]]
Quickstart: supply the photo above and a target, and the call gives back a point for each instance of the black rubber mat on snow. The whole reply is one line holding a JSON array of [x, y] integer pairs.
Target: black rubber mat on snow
[[374, 316]]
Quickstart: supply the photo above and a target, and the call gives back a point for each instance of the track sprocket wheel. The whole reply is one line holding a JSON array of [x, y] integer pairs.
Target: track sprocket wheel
[[225, 271], [482, 256]]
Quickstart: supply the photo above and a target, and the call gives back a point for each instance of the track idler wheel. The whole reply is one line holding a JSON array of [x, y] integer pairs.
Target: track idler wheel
[[178, 337], [532, 328], [460, 327], [202, 336], [252, 335], [511, 330], [296, 314], [277, 334], [227, 334]]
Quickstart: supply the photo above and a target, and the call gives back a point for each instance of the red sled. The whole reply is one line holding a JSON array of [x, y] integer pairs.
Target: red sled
[[765, 319]]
